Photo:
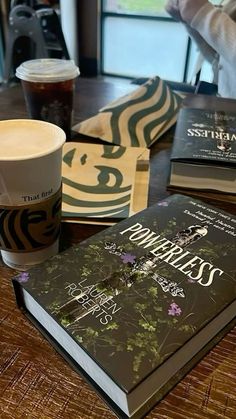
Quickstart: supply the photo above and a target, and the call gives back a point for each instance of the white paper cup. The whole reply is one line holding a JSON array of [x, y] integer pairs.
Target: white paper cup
[[30, 191]]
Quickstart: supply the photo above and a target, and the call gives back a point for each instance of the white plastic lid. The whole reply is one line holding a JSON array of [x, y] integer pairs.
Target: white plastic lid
[[47, 70]]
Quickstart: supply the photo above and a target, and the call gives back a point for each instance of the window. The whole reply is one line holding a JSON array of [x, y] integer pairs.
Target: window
[[139, 39]]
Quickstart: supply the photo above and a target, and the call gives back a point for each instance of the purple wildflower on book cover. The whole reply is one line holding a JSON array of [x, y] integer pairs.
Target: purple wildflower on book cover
[[174, 310], [23, 277], [128, 258], [191, 280]]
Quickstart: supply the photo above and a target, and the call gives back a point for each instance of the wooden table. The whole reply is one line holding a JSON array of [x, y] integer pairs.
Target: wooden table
[[35, 382]]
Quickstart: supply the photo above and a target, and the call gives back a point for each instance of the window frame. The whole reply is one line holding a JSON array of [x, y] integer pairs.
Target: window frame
[[158, 18]]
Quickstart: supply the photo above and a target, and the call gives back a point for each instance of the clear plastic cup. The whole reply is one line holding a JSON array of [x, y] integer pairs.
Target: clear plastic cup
[[48, 85]]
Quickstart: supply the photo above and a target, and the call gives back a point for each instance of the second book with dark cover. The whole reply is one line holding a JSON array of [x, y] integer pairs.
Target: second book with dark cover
[[135, 306], [204, 150]]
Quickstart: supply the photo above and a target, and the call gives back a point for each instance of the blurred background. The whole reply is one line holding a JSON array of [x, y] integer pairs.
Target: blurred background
[[122, 38]]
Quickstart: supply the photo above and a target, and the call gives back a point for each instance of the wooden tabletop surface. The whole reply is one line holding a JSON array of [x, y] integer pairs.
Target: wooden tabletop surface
[[35, 382]]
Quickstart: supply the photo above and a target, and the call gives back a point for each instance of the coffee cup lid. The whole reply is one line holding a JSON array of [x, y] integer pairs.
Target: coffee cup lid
[[47, 70]]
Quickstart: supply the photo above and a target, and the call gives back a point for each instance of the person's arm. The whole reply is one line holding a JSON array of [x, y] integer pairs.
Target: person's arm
[[206, 50], [172, 7], [215, 26]]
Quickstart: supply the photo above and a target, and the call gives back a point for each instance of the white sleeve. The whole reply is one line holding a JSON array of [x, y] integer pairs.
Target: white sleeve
[[217, 29], [206, 50]]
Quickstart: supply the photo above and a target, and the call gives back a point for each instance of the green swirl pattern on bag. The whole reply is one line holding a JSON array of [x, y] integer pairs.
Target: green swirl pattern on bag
[[137, 119], [103, 182]]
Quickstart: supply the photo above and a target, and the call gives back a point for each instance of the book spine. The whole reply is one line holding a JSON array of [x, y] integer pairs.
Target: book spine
[[17, 287]]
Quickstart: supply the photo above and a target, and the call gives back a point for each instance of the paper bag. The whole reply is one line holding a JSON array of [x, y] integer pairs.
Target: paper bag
[[137, 119], [103, 183]]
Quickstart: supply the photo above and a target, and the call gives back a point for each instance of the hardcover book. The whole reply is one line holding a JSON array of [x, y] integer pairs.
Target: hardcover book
[[204, 150], [135, 306]]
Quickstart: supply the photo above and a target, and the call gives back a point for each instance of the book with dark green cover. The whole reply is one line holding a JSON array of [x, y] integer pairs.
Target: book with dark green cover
[[203, 155], [136, 305]]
